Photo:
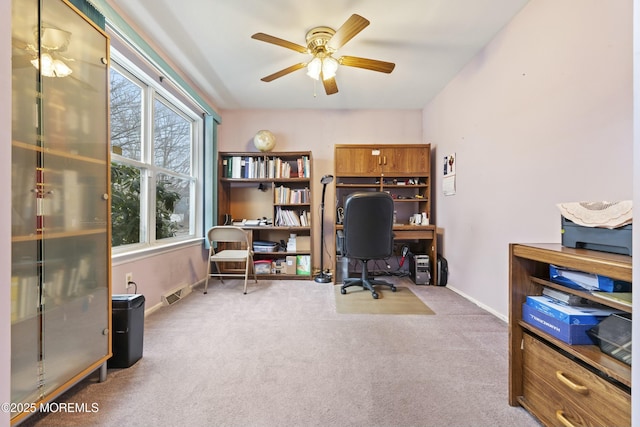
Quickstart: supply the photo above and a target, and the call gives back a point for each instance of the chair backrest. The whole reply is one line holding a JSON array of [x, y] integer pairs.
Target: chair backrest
[[227, 233], [368, 225]]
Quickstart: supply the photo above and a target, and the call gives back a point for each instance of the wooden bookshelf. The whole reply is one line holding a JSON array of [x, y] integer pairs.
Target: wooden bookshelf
[[274, 189]]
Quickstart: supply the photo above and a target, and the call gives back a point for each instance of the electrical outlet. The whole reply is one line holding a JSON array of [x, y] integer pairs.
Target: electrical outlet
[[128, 278]]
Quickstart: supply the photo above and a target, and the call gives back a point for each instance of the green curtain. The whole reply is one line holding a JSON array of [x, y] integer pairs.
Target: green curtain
[[90, 12]]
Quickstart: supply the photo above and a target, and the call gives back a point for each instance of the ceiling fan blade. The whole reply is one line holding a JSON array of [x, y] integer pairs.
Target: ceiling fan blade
[[279, 42], [367, 64], [347, 31], [330, 86], [19, 44], [283, 72]]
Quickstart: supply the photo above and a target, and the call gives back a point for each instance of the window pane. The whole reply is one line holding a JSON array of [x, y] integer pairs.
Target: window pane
[[172, 139], [125, 204], [172, 206], [126, 116]]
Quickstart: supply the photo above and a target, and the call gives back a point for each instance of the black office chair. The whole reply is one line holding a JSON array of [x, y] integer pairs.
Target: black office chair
[[368, 234]]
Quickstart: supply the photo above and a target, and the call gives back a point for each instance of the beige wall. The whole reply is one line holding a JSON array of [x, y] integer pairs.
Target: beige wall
[[543, 115], [5, 209], [318, 131]]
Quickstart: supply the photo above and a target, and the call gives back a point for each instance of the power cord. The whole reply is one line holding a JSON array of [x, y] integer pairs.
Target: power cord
[[135, 286]]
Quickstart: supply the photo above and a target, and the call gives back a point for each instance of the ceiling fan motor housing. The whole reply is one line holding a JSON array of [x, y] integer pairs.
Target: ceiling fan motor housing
[[317, 39]]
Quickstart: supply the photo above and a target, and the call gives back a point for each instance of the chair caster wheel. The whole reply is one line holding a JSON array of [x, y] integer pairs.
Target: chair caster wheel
[[343, 291], [374, 295], [393, 289]]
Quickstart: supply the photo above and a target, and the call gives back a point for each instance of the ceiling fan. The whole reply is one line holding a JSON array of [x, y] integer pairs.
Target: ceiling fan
[[322, 44], [53, 42]]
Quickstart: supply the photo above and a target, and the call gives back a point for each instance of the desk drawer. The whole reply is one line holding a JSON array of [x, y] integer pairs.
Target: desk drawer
[[556, 387]]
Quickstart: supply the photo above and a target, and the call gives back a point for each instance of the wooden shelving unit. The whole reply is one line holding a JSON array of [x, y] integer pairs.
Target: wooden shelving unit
[[564, 384], [253, 192]]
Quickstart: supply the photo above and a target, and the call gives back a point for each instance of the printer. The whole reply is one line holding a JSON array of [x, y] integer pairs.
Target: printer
[[599, 226]]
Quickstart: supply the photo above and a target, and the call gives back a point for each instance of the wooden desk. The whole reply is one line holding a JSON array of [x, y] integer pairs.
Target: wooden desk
[[418, 232]]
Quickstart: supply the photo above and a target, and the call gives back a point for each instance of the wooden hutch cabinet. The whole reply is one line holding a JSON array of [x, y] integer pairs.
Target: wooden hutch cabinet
[[406, 160], [404, 171]]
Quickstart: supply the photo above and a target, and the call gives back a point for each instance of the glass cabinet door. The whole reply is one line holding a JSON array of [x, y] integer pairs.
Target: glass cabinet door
[[25, 277], [60, 276], [75, 239]]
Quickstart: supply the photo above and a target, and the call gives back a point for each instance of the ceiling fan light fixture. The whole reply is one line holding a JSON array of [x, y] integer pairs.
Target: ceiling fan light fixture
[[329, 67], [51, 67], [314, 67]]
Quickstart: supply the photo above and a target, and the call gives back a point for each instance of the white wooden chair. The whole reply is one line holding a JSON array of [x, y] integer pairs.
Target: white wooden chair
[[229, 234]]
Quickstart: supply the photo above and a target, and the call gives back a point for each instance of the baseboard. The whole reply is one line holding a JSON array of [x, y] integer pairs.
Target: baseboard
[[479, 304], [156, 307], [486, 308], [160, 304]]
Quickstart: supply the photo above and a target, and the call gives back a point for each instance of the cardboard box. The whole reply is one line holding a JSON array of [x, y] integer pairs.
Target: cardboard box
[[571, 334], [290, 265], [303, 267], [303, 243], [278, 266], [576, 315]]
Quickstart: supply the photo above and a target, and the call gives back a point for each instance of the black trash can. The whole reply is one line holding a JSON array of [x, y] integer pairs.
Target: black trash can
[[128, 329]]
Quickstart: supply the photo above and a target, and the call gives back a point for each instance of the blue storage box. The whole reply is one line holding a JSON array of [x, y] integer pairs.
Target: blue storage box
[[575, 315], [586, 281], [571, 334]]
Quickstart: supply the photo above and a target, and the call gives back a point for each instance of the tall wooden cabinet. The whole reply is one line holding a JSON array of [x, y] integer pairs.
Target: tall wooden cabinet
[[273, 193], [562, 384], [60, 279], [404, 171]]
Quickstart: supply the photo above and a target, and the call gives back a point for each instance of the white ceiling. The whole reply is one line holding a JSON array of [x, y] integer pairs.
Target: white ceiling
[[210, 41]]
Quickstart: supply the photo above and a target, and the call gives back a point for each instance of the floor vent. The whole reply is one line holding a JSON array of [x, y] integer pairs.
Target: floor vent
[[176, 295]]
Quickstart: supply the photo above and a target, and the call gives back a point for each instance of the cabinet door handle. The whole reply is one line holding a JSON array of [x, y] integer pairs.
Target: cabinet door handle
[[560, 416], [573, 386]]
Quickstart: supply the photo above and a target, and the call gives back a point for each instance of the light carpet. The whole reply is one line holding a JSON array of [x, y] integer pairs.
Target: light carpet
[[360, 301], [281, 356]]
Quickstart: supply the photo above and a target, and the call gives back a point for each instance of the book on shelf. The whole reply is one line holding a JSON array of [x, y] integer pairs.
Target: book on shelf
[[256, 167], [291, 217], [225, 167], [285, 195], [24, 297]]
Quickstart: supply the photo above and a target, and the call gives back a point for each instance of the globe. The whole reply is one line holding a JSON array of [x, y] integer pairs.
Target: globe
[[264, 140]]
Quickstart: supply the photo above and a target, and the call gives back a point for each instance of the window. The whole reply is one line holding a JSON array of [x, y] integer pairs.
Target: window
[[155, 170]]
